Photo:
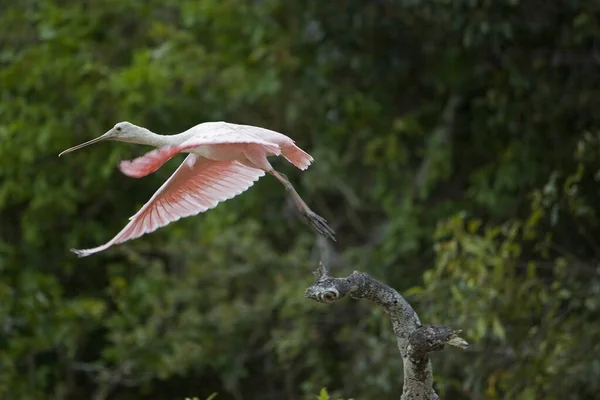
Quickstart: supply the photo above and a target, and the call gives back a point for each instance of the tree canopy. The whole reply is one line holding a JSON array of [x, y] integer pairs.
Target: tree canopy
[[457, 156]]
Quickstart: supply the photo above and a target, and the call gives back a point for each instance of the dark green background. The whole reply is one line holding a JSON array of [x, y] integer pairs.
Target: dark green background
[[457, 149]]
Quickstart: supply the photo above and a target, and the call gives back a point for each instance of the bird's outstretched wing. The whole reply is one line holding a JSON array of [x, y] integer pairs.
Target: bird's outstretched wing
[[197, 185], [207, 134]]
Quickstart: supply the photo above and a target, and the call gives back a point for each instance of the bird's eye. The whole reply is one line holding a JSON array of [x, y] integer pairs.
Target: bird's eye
[[119, 129]]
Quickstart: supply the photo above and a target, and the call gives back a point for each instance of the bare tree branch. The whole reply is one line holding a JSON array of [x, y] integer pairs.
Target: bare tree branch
[[415, 341]]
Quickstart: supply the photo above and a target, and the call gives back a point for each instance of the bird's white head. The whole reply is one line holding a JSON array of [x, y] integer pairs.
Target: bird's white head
[[121, 132]]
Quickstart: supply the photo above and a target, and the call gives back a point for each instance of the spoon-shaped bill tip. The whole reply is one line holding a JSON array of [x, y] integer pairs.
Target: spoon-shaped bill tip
[[79, 146]]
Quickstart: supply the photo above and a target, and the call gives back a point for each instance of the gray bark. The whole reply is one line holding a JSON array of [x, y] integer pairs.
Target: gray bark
[[415, 341]]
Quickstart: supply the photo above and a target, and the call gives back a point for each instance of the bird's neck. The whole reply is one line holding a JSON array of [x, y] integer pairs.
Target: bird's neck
[[153, 139]]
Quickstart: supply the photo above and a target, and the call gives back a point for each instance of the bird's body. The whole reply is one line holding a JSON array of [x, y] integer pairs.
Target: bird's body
[[224, 160]]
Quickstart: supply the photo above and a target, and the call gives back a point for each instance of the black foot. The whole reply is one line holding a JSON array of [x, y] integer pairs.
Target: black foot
[[319, 224]]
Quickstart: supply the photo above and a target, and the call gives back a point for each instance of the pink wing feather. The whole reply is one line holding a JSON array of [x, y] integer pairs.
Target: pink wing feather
[[197, 185], [149, 162]]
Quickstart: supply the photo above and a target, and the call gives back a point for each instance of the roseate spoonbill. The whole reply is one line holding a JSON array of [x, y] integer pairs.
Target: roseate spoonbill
[[225, 160]]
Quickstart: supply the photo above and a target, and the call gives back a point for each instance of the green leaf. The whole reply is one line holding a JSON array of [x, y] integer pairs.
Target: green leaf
[[498, 328], [323, 395]]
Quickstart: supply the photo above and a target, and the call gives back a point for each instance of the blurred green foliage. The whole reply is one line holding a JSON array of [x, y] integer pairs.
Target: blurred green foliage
[[457, 148]]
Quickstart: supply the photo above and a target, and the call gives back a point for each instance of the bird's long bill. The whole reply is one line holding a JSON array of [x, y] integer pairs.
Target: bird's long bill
[[98, 139]]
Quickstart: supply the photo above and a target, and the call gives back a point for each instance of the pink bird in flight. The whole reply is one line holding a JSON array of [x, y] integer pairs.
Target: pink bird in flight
[[224, 160]]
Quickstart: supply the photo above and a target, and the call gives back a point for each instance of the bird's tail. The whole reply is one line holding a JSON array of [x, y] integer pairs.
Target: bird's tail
[[297, 156]]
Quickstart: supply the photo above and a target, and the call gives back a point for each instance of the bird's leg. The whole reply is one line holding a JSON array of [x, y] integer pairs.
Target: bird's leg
[[318, 223]]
